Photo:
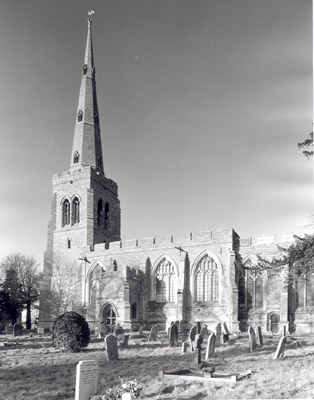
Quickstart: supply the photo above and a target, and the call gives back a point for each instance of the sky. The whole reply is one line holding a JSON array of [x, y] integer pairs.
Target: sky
[[201, 103]]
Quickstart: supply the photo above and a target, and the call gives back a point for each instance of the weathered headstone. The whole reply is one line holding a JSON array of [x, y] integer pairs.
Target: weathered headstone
[[218, 334], [86, 379], [173, 335], [125, 341], [17, 329], [198, 342], [112, 348], [199, 327], [184, 347], [280, 348], [259, 336], [153, 333], [210, 349], [204, 331], [141, 330], [252, 339], [192, 334], [226, 328]]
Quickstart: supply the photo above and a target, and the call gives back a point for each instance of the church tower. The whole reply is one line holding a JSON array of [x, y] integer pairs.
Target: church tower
[[85, 206]]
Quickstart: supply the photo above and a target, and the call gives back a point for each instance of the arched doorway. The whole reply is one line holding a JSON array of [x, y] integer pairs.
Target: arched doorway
[[109, 318]]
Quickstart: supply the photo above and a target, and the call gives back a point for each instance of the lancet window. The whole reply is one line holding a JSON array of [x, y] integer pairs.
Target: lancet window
[[80, 116], [107, 214], [76, 157], [65, 213], [99, 212], [165, 282], [206, 280], [75, 211]]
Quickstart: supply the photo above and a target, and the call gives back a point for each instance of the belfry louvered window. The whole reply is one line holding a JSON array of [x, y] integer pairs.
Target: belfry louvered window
[[206, 280], [75, 211], [165, 282]]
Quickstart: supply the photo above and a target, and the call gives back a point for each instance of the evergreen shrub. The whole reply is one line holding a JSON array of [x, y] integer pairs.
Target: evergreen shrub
[[70, 332]]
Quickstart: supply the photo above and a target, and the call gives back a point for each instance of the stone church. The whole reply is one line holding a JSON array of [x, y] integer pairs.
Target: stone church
[[207, 276]]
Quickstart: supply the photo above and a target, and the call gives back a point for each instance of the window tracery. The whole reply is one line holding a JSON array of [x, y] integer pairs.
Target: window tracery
[[206, 280], [165, 282]]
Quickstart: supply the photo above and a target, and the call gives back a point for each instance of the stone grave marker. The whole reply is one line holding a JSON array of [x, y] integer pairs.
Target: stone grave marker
[[192, 335], [141, 330], [173, 335], [218, 334], [225, 338], [86, 379], [252, 339], [112, 348], [198, 353], [153, 333], [280, 348], [125, 341], [259, 336], [181, 326], [227, 332], [199, 327], [210, 349], [204, 331], [17, 329], [184, 347]]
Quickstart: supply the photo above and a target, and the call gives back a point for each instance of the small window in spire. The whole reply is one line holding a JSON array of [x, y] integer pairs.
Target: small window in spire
[[76, 157], [80, 116], [84, 69], [69, 243]]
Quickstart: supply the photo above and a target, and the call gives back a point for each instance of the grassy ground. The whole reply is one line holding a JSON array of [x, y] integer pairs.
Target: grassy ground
[[34, 370]]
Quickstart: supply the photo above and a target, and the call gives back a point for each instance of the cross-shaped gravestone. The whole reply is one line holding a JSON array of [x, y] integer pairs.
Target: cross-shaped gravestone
[[259, 336], [210, 349], [280, 348], [252, 339], [173, 335], [218, 334], [153, 333], [112, 348], [192, 334]]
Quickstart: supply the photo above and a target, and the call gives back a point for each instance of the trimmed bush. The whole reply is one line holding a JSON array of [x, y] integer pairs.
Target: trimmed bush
[[70, 332]]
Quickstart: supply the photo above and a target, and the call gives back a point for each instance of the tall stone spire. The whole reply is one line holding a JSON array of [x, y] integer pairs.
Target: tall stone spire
[[86, 149]]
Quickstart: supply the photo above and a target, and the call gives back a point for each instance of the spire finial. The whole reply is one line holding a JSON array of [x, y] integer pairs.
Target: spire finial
[[90, 13]]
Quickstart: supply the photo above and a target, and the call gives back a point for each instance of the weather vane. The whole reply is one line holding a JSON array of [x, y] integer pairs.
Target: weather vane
[[90, 13]]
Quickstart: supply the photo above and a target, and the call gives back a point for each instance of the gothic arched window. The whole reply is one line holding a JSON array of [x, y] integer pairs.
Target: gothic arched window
[[206, 280], [133, 311], [76, 157], [80, 116], [107, 213], [65, 213], [250, 287], [165, 282], [99, 212], [75, 211]]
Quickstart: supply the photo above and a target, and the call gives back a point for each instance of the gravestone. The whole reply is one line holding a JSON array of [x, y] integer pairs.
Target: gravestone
[[184, 347], [204, 331], [125, 341], [259, 336], [210, 349], [199, 327], [252, 339], [17, 329], [141, 330], [218, 334], [226, 329], [198, 343], [192, 335], [181, 326], [153, 333], [225, 338], [173, 335], [112, 348], [280, 348], [86, 379]]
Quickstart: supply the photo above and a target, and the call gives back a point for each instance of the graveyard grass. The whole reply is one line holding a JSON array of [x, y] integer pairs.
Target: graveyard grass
[[34, 370]]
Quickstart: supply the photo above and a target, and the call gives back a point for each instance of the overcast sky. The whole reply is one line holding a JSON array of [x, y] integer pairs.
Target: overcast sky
[[202, 104]]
